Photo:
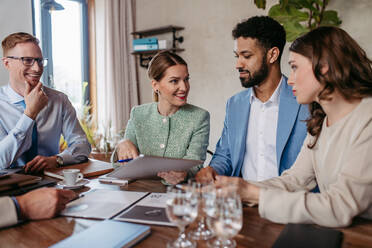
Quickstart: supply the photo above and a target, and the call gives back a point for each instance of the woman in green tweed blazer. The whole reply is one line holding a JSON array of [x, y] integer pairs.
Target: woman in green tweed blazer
[[169, 127]]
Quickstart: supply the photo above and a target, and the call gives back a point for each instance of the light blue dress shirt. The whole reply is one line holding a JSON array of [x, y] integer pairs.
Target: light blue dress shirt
[[58, 117]]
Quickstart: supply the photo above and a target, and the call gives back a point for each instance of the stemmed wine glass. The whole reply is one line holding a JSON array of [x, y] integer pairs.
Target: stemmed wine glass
[[201, 232], [224, 217], [182, 209]]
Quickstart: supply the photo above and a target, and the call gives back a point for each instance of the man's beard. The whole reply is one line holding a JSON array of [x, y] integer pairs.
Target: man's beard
[[256, 77]]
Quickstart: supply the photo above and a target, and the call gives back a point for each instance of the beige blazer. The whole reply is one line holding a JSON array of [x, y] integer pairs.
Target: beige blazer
[[8, 212], [341, 164]]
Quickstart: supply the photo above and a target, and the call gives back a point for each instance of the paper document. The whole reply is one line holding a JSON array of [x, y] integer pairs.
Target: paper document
[[102, 203]]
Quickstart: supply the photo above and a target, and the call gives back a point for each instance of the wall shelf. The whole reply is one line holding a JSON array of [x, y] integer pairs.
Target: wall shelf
[[146, 56], [156, 51], [159, 30]]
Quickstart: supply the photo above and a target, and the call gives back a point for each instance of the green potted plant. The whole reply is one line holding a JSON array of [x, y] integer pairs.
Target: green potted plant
[[300, 16]]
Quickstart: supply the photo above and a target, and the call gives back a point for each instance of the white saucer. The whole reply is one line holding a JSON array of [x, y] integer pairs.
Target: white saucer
[[79, 184]]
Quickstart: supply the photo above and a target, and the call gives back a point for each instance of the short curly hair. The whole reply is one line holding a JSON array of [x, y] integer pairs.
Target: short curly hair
[[265, 29]]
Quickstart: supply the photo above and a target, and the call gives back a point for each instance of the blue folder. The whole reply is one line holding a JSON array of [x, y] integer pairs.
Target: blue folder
[[108, 233], [145, 41]]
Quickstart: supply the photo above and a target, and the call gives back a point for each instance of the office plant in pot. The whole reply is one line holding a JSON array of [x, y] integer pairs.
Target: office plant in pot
[[300, 16]]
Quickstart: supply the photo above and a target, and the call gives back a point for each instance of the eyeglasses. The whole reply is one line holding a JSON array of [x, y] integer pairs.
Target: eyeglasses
[[29, 61]]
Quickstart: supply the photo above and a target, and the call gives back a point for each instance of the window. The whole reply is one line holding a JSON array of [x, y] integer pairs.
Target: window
[[64, 40]]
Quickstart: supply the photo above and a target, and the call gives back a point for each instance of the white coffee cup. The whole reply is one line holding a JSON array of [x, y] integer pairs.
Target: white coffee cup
[[72, 176]]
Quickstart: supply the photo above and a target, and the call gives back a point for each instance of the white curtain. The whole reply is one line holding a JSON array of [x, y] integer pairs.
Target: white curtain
[[117, 81]]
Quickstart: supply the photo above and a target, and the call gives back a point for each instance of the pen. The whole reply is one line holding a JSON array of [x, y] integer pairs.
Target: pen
[[77, 197], [125, 160], [113, 181], [179, 186]]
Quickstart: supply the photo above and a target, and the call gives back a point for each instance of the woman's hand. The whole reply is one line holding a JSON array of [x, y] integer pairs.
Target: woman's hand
[[173, 177], [247, 191], [126, 149]]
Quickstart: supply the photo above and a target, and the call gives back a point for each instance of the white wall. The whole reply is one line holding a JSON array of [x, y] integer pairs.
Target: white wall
[[209, 45], [15, 16]]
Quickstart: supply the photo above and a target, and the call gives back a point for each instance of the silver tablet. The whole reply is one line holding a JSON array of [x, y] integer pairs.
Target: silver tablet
[[146, 166]]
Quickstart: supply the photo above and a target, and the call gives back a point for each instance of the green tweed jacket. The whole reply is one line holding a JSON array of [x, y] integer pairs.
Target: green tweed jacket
[[185, 134]]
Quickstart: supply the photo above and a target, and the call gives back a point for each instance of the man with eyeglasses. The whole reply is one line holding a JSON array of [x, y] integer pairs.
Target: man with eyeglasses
[[32, 116]]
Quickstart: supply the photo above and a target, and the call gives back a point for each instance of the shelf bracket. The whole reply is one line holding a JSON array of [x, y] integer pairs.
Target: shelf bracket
[[175, 38]]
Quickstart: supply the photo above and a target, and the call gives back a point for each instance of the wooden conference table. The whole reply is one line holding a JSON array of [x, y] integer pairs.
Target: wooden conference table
[[256, 232]]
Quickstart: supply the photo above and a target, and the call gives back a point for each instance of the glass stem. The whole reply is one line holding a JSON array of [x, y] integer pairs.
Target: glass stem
[[202, 222], [182, 235]]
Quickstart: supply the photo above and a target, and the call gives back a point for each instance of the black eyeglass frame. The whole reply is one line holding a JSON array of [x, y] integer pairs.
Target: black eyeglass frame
[[42, 62]]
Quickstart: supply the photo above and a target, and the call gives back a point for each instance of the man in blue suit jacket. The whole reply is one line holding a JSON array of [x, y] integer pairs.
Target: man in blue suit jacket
[[264, 126]]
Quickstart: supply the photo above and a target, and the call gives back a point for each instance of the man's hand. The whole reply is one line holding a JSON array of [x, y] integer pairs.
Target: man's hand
[[40, 163], [206, 175], [44, 203], [35, 100], [126, 149], [247, 191], [173, 177]]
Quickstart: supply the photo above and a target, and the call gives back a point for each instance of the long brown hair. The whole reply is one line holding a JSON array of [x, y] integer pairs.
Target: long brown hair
[[160, 63], [349, 69]]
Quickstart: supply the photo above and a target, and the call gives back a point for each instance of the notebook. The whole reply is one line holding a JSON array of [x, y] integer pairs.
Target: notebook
[[91, 168], [13, 181], [150, 210], [109, 234], [26, 188], [308, 236], [102, 203]]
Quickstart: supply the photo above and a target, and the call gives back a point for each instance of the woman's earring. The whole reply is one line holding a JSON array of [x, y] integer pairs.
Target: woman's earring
[[157, 92]]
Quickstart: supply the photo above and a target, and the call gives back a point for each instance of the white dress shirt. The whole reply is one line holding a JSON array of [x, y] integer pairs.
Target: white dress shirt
[[58, 117], [260, 162]]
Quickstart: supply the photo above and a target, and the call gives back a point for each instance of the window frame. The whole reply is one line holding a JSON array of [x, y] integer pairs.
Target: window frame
[[46, 44]]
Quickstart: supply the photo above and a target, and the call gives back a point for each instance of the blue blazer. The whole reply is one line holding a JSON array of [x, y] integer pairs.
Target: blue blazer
[[230, 150]]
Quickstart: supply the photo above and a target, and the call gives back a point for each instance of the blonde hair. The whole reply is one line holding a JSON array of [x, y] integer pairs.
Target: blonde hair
[[160, 63], [13, 39]]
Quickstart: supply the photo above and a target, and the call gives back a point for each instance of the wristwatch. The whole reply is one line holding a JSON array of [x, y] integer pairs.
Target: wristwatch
[[59, 160]]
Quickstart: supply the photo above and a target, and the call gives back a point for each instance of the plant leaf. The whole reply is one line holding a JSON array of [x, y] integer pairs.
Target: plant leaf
[[330, 18], [283, 3], [288, 14], [261, 4], [305, 4], [294, 30]]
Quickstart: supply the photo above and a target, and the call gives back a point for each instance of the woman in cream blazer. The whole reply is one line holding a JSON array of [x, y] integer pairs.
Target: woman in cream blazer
[[168, 127], [332, 74]]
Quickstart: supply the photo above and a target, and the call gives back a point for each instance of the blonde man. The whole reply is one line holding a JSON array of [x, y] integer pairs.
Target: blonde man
[[32, 116]]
